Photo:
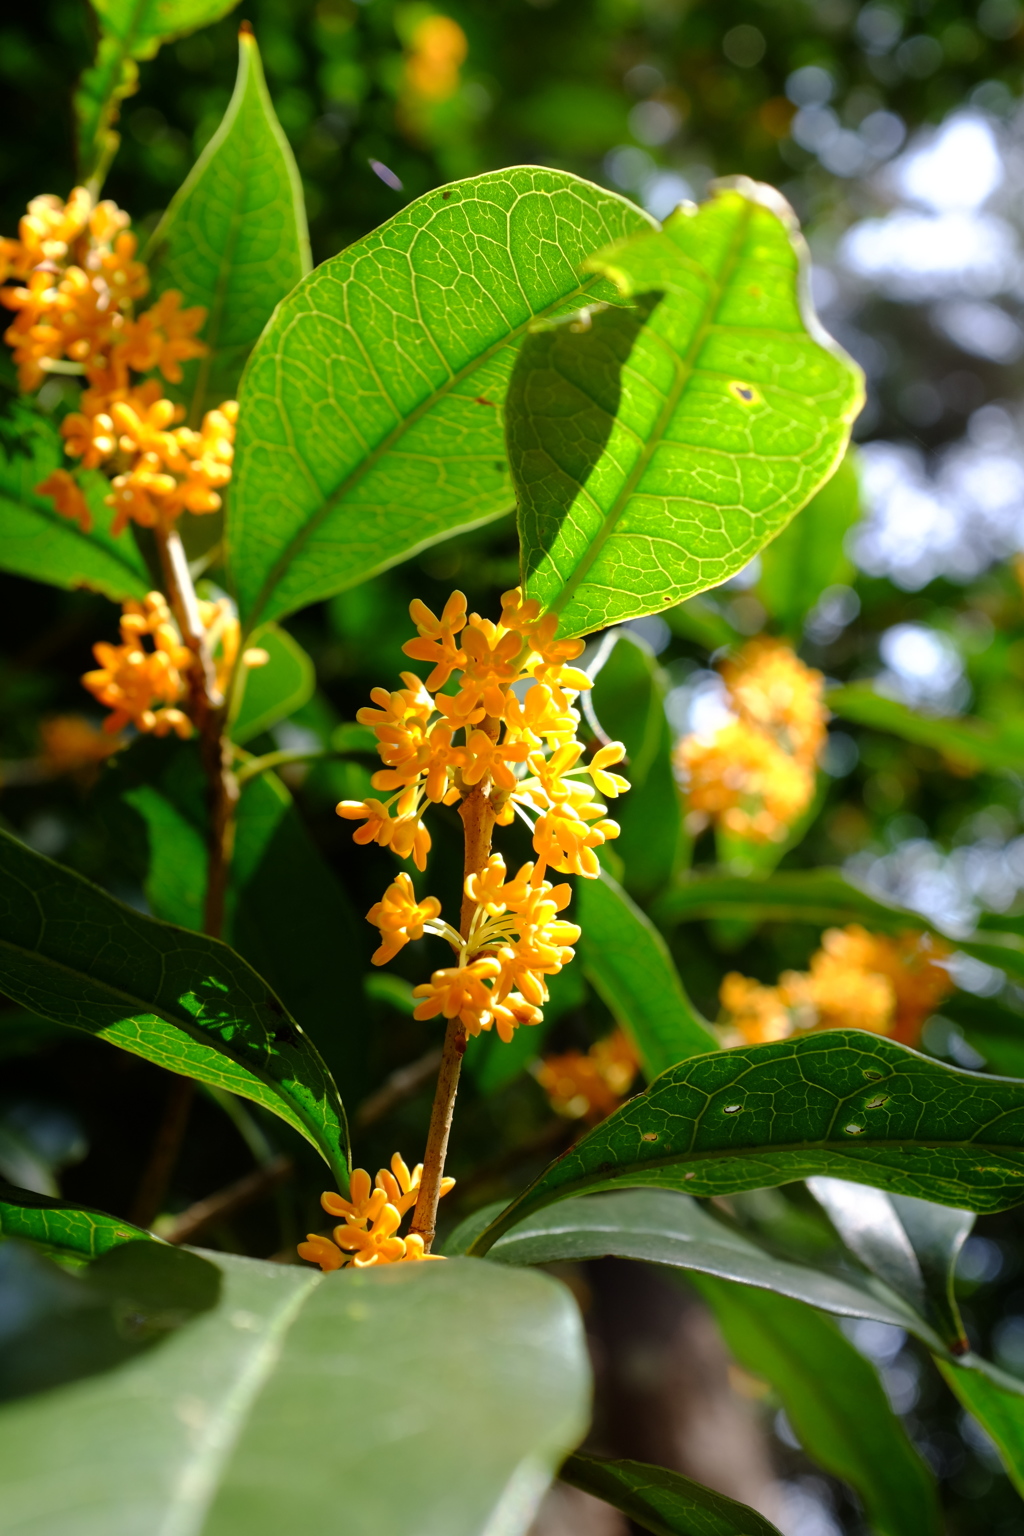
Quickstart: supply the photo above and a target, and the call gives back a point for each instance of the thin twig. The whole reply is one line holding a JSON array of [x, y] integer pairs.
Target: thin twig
[[219, 1206], [162, 1159], [401, 1085], [258, 765]]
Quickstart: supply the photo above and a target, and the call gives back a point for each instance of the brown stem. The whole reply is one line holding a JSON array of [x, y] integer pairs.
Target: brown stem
[[478, 824], [164, 1155], [219, 1206]]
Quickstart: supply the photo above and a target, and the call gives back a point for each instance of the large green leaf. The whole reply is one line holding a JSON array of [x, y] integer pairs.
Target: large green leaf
[[627, 960], [834, 1401], [628, 702], [36, 541], [62, 1226], [371, 410], [971, 743], [234, 238], [911, 1244], [840, 1102], [74, 954], [810, 554], [819, 897], [655, 450], [664, 1502], [286, 910], [660, 1226], [438, 1397], [999, 1408]]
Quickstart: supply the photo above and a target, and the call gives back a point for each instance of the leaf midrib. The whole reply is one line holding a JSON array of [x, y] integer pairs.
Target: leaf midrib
[[684, 370], [387, 443]]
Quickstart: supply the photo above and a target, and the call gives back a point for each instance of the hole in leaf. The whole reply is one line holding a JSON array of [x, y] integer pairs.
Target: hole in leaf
[[853, 1130], [872, 1077], [649, 1136], [732, 1109], [877, 1101], [746, 394]]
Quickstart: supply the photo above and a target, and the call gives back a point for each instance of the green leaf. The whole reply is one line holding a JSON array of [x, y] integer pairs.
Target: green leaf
[[129, 30], [911, 1244], [61, 1225], [627, 961], [664, 1502], [371, 410], [628, 702], [810, 554], [819, 897], [834, 1401], [286, 910], [234, 238], [998, 1408], [655, 450], [36, 541], [272, 692], [840, 1102], [990, 1028], [75, 955], [971, 743], [310, 1402], [659, 1226]]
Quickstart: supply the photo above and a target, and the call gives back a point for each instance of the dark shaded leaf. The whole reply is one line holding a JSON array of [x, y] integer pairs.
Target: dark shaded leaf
[[664, 1502]]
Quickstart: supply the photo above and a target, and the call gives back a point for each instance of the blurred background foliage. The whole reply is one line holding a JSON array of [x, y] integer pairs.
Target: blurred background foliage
[[895, 130]]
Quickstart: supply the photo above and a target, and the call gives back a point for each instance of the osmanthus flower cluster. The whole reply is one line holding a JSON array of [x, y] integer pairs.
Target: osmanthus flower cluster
[[506, 728], [589, 1085], [368, 1231], [856, 980], [756, 774], [77, 282], [145, 680]]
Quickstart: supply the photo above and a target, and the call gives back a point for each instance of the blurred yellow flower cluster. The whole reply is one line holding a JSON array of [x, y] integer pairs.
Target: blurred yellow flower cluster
[[508, 728], [588, 1085], [368, 1231], [756, 774], [77, 283], [145, 679], [856, 980], [437, 51]]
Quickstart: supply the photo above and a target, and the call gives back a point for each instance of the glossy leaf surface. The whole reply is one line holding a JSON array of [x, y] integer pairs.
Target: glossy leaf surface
[[234, 238], [841, 1102], [281, 1407], [662, 1501], [395, 357], [998, 1408], [61, 1225], [834, 1400], [655, 450], [912, 1245], [658, 1226], [36, 541], [627, 960], [74, 954]]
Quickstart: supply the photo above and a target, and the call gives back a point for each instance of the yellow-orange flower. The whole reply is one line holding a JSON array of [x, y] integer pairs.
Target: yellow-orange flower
[[856, 980], [756, 774], [507, 731], [368, 1232], [143, 686], [68, 497], [71, 743], [590, 1085]]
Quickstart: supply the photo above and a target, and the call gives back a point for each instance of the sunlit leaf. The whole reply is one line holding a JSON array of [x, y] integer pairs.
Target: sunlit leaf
[[61, 1224], [310, 1402], [73, 954], [234, 238], [371, 410], [656, 449]]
